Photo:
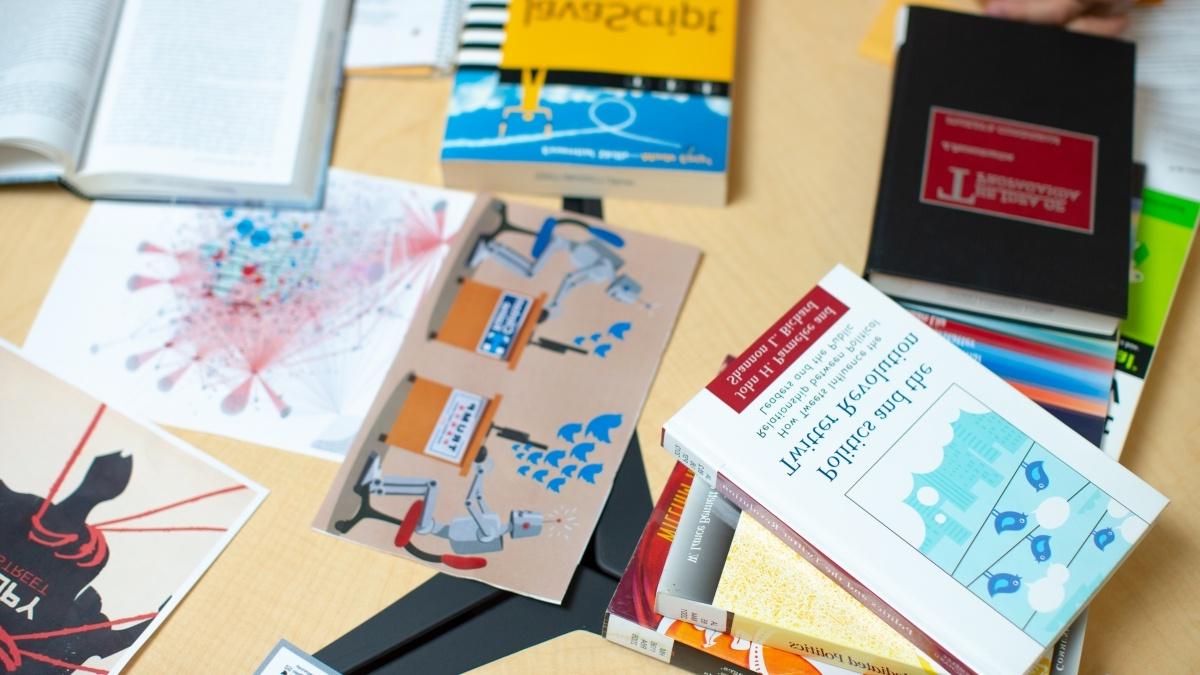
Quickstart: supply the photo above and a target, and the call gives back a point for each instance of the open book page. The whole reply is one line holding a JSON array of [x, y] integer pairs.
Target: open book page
[[387, 33], [51, 60], [213, 90]]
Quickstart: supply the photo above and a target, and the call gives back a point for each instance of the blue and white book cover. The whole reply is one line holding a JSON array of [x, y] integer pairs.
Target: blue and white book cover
[[564, 97], [601, 126]]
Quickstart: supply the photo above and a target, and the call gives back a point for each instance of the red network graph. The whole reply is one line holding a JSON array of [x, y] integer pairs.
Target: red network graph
[[267, 294]]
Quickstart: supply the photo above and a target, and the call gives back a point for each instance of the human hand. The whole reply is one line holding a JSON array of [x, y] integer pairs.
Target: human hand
[[1099, 17]]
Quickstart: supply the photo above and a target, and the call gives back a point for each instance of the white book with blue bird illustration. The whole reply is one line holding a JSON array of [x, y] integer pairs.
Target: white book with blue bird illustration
[[971, 520]]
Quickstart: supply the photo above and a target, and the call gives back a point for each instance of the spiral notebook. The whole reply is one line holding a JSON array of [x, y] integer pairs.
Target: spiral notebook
[[403, 37]]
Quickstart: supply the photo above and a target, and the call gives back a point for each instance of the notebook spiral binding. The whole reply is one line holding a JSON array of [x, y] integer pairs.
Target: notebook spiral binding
[[448, 33]]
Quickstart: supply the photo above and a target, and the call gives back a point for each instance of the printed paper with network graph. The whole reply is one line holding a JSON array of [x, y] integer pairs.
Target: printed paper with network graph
[[274, 327]]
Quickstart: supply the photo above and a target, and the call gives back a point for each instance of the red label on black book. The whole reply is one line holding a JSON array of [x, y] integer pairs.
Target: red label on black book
[[752, 372], [1010, 169]]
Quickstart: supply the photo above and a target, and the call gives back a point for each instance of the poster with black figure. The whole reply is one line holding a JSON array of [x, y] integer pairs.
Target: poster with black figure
[[105, 524]]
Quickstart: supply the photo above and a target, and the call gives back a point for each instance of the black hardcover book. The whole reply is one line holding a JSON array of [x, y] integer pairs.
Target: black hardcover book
[[1005, 181]]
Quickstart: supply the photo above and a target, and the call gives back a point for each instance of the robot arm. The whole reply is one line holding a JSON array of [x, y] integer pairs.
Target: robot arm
[[598, 270], [520, 524], [390, 486], [513, 260], [477, 509]]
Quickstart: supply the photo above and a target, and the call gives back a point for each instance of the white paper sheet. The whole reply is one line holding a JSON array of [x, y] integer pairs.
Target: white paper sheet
[[1167, 134], [274, 327], [385, 33]]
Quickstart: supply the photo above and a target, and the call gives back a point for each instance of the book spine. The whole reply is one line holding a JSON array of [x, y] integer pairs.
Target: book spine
[[691, 460], [695, 613], [621, 631], [875, 245], [686, 453]]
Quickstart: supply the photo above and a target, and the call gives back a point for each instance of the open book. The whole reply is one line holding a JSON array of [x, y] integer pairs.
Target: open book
[[219, 100]]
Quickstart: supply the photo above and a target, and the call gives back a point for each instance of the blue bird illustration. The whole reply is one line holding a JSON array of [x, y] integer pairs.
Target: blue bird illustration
[[596, 337], [1035, 473], [1040, 547], [540, 475], [523, 469], [516, 447], [580, 452], [602, 425], [579, 340], [1103, 538], [535, 457], [1002, 582], [589, 472], [553, 457], [520, 455], [567, 431], [603, 350], [556, 484], [619, 329], [1009, 521], [569, 470]]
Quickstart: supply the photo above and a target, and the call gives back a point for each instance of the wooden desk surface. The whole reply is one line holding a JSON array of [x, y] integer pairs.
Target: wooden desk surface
[[808, 128]]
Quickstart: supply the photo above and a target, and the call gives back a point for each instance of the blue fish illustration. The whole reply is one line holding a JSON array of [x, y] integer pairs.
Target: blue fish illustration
[[516, 447], [535, 457], [553, 457], [579, 340], [1002, 582], [619, 329], [556, 484], [602, 425], [1040, 547], [520, 455], [1103, 538], [580, 452], [1035, 473], [1009, 521], [603, 350], [523, 469], [589, 472], [596, 337], [567, 431], [569, 470], [540, 475]]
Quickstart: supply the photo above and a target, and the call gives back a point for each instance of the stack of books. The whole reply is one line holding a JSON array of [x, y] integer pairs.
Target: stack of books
[[914, 483], [941, 521]]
